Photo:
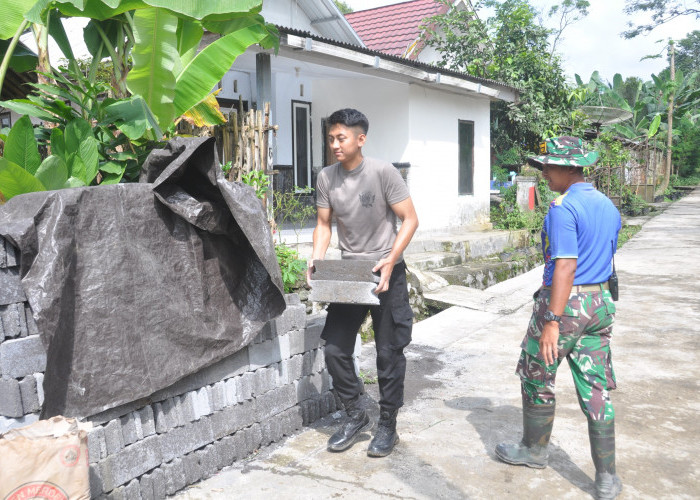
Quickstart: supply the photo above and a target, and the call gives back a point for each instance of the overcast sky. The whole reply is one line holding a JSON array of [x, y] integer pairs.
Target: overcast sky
[[594, 43]]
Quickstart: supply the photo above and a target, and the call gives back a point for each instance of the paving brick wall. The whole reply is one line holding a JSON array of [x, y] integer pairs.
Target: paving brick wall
[[184, 433]]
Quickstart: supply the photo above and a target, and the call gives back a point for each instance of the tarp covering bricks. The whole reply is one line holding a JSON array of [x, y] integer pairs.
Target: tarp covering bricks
[[135, 286]]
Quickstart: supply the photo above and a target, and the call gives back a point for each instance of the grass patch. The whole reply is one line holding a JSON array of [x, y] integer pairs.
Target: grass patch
[[626, 233], [367, 379]]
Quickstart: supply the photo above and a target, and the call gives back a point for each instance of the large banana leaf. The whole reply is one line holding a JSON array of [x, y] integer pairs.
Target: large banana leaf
[[206, 69], [156, 62], [22, 58], [21, 148], [189, 34], [26, 107], [205, 113], [13, 16], [132, 116], [94, 9], [53, 172], [15, 180], [200, 9]]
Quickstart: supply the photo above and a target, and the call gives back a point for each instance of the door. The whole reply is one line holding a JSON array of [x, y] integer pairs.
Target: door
[[301, 143]]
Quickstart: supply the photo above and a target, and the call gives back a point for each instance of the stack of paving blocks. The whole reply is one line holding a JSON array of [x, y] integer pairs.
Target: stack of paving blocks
[[157, 446], [344, 281]]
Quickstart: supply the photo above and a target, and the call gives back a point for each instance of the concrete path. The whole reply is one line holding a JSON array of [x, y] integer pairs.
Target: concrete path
[[462, 397]]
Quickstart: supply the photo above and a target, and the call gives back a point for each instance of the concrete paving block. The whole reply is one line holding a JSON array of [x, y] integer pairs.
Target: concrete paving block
[[253, 438], [226, 451], [14, 423], [40, 387], [218, 396], [96, 486], [313, 331], [30, 398], [22, 315], [10, 398], [183, 440], [22, 357], [186, 403], [10, 286], [148, 425], [239, 445], [97, 446], [202, 402], [275, 401], [192, 468], [344, 292], [116, 494], [245, 386], [233, 418], [210, 460], [131, 462], [296, 341], [327, 403], [266, 431], [231, 366], [146, 486], [131, 428], [3, 253], [11, 255], [294, 368], [292, 299], [174, 476], [269, 352], [158, 479], [9, 317], [132, 491], [114, 441], [230, 392], [345, 270], [32, 329], [265, 380]]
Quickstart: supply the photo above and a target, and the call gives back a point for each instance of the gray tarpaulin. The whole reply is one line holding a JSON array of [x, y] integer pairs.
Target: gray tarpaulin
[[134, 286]]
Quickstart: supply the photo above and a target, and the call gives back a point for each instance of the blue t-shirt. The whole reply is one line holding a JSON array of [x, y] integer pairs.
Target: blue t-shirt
[[581, 224]]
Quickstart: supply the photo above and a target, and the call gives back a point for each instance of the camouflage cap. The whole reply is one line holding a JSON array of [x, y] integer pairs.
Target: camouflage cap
[[565, 151]]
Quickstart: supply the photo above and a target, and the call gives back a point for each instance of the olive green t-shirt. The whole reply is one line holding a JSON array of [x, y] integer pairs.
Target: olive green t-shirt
[[361, 202]]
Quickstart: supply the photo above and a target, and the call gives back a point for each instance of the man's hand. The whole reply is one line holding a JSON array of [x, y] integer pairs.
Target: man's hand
[[549, 341], [309, 270], [385, 267]]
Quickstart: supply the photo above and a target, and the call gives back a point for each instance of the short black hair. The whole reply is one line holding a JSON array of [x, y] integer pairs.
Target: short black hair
[[350, 118]]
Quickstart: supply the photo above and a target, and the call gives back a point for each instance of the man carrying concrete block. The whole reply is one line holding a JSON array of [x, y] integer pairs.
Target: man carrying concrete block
[[365, 195]]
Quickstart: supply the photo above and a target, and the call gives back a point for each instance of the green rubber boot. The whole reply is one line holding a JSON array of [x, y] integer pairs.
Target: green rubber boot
[[602, 435], [532, 449]]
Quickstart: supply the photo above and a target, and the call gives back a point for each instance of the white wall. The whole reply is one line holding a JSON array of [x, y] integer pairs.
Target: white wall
[[434, 156], [385, 103]]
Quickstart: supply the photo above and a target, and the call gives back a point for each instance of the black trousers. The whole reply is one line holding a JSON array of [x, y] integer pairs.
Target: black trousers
[[393, 322]]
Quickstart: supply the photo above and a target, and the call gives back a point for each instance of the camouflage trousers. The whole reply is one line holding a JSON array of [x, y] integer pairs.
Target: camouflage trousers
[[584, 340]]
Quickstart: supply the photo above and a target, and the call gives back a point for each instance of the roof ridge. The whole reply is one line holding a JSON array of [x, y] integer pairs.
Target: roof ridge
[[385, 6]]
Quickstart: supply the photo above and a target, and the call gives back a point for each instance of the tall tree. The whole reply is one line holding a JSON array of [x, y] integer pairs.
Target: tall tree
[[688, 53], [511, 47], [662, 11], [568, 13], [343, 7]]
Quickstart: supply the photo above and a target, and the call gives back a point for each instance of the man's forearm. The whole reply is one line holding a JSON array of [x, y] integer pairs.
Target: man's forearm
[[562, 281], [403, 238], [321, 239]]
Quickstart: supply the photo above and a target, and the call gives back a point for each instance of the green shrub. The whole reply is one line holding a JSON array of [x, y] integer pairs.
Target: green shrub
[[293, 268]]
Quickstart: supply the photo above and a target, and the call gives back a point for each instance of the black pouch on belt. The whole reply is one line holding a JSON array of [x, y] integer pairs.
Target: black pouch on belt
[[612, 282]]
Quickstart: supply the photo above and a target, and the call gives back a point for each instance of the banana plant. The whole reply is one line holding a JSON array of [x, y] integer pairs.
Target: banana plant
[[161, 38]]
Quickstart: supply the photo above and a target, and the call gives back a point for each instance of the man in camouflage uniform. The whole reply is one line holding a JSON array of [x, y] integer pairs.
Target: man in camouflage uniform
[[573, 315]]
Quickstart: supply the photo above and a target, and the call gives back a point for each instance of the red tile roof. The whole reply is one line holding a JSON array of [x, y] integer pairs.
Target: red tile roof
[[392, 29]]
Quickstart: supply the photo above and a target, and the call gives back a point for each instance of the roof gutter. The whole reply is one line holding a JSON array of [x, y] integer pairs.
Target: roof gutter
[[377, 62]]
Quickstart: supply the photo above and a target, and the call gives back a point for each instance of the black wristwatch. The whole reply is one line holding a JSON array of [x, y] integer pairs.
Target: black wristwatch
[[550, 316]]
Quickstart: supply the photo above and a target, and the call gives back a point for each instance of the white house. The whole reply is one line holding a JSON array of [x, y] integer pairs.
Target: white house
[[433, 119]]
